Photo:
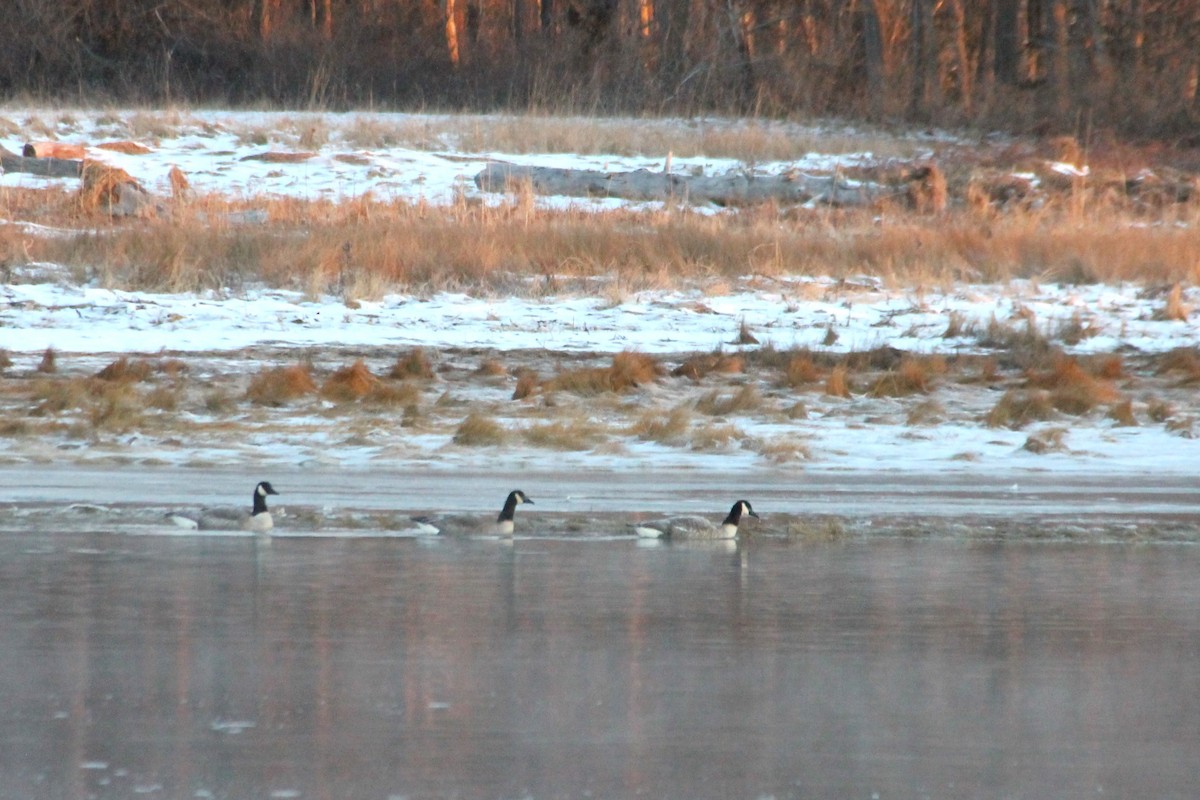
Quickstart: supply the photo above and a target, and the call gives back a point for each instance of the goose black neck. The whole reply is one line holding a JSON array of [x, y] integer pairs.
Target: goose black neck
[[735, 515], [509, 510], [260, 502]]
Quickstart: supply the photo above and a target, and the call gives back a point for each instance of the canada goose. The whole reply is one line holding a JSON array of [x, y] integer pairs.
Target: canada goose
[[469, 524], [258, 519], [695, 527]]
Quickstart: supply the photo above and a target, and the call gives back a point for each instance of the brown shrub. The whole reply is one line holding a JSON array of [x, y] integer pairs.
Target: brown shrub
[[5, 360], [477, 430], [280, 385], [744, 336], [413, 365], [349, 383]]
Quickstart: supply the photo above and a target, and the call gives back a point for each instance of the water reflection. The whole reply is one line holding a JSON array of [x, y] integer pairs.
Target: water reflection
[[209, 667]]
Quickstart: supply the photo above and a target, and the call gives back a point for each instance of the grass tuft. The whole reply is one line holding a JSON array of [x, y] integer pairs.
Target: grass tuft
[[281, 385], [477, 430], [49, 362], [1174, 310], [838, 382], [801, 370], [1122, 414], [414, 365], [1017, 408], [629, 370], [700, 366], [718, 404], [528, 383], [670, 429], [349, 383], [913, 375], [125, 371], [577, 434], [1073, 389]]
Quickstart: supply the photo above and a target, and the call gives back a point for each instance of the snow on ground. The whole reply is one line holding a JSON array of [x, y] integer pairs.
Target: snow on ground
[[41, 307], [786, 313], [219, 152]]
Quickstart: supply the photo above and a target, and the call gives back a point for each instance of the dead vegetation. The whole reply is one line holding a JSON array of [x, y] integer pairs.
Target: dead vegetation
[[711, 403], [278, 386], [629, 370]]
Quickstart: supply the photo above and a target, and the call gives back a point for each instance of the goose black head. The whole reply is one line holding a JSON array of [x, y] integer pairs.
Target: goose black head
[[515, 498], [739, 508]]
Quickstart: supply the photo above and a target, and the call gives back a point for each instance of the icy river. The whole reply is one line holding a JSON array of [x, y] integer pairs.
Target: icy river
[[138, 663]]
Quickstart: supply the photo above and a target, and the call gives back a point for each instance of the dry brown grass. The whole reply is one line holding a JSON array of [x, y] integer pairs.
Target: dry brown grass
[[1050, 440], [49, 363], [392, 395], [1174, 309], [716, 437], [5, 360], [1182, 362], [721, 404], [575, 434], [838, 382], [124, 370], [1072, 388], [700, 366], [801, 371], [412, 365], [670, 429], [349, 383], [1015, 409], [628, 370], [413, 247], [528, 384], [1122, 414], [476, 430], [281, 385], [913, 375]]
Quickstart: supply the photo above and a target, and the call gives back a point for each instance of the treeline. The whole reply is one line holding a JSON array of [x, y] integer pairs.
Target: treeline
[[1053, 65]]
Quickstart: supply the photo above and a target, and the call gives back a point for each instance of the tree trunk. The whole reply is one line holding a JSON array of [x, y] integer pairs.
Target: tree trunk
[[873, 56], [922, 58]]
